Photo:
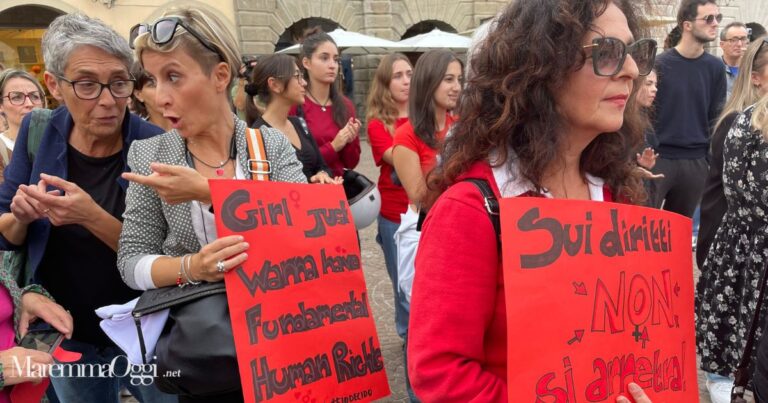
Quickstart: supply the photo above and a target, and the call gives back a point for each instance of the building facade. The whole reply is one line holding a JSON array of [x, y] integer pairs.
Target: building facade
[[262, 26]]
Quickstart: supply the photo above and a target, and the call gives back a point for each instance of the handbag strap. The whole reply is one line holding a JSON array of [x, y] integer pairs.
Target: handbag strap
[[260, 169], [491, 205], [742, 374], [258, 164]]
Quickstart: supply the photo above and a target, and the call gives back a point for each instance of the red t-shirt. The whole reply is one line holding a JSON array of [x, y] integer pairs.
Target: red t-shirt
[[405, 136], [394, 200], [324, 130]]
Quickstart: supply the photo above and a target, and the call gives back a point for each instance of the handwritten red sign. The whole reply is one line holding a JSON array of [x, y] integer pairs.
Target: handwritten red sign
[[301, 320], [598, 295]]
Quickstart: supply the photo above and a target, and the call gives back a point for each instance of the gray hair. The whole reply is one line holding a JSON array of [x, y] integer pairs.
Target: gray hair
[[70, 31], [733, 24]]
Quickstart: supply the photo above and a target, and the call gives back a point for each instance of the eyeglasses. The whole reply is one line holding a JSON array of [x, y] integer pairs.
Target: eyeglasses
[[297, 75], [89, 89], [608, 55], [742, 39], [19, 98], [163, 31], [710, 19]]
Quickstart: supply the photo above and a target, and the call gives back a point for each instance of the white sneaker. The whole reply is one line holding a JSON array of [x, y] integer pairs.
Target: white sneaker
[[720, 391]]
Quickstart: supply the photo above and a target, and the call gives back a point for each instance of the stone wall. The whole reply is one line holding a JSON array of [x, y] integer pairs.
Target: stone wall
[[261, 22]]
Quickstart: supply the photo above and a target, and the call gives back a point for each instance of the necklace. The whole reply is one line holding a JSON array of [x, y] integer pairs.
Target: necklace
[[219, 168], [323, 105]]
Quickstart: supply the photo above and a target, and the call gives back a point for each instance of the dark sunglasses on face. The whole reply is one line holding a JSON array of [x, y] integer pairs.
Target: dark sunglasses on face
[[608, 55], [163, 31], [710, 19], [19, 98]]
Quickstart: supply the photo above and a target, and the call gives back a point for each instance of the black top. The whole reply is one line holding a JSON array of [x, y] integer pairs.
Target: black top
[[713, 203], [690, 97], [311, 160], [78, 269]]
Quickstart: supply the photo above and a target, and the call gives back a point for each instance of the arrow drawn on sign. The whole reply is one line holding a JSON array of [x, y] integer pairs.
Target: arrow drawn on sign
[[577, 336], [579, 288], [644, 337]]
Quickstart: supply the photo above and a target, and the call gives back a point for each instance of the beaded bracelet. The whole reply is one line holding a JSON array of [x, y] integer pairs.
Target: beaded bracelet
[[186, 269], [179, 282], [2, 376]]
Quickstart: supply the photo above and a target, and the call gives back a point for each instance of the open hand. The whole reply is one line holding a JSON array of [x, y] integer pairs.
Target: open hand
[[647, 159], [322, 177]]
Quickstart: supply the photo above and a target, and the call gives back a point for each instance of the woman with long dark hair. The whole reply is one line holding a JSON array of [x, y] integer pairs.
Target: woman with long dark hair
[[548, 113], [329, 114], [435, 90], [279, 85]]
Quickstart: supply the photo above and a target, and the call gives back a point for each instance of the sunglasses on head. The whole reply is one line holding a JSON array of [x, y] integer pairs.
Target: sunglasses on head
[[163, 31], [711, 18], [608, 55]]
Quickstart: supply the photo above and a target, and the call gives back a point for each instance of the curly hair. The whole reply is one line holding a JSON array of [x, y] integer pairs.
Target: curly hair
[[510, 101], [381, 105]]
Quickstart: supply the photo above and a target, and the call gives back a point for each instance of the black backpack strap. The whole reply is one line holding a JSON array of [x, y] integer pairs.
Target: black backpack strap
[[491, 205]]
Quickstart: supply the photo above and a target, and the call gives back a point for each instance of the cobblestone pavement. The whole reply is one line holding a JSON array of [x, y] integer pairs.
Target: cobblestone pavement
[[380, 294]]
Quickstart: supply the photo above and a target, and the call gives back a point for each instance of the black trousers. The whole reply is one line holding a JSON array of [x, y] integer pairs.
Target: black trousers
[[682, 185]]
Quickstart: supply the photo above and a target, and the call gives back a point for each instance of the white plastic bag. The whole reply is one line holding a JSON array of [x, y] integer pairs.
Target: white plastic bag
[[407, 241]]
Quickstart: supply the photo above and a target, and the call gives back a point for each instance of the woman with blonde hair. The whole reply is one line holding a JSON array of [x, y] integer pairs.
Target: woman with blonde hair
[[734, 264], [387, 111], [747, 89], [19, 94], [169, 235]]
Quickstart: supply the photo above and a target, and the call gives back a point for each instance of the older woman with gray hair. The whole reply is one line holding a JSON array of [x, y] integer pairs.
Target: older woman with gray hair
[[63, 199]]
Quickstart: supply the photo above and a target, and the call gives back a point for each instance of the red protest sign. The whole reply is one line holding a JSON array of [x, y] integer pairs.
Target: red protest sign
[[302, 325], [598, 295]]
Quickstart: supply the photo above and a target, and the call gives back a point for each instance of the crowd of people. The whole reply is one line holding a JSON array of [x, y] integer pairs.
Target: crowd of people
[[107, 196]]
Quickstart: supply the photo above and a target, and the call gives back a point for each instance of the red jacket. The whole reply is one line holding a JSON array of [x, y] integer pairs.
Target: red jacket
[[457, 340]]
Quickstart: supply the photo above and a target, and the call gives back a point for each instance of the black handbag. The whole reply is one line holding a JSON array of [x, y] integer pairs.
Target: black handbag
[[196, 339], [195, 354]]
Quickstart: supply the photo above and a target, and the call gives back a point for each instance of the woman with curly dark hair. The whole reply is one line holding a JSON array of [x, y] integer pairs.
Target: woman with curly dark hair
[[548, 112]]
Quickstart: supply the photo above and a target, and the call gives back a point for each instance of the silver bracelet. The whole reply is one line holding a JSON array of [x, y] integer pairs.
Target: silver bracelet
[[186, 269]]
